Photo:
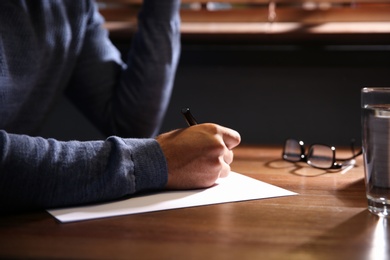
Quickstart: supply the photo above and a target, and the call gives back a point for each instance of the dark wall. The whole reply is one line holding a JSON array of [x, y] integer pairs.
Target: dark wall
[[267, 93]]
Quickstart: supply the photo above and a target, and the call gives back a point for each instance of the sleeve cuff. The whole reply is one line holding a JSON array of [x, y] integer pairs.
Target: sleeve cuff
[[150, 167]]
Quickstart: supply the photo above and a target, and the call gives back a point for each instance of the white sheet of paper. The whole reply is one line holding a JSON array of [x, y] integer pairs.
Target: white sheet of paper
[[235, 187]]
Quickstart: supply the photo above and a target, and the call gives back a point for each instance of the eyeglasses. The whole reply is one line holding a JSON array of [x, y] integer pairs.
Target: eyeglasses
[[318, 155]]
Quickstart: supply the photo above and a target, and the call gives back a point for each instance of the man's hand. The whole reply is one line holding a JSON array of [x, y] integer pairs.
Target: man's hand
[[198, 155]]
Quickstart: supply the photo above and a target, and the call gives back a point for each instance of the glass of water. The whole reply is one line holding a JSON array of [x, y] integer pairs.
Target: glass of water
[[376, 148]]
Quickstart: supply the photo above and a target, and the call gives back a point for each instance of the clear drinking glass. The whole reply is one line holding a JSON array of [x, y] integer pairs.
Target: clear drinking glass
[[376, 148]]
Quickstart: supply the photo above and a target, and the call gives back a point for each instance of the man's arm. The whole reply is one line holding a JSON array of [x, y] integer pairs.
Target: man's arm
[[129, 99], [37, 173]]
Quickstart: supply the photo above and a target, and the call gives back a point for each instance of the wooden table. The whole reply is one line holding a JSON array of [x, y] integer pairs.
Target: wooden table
[[327, 220]]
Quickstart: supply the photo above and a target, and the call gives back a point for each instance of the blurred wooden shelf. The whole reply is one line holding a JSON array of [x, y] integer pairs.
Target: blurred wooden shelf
[[376, 33], [256, 21]]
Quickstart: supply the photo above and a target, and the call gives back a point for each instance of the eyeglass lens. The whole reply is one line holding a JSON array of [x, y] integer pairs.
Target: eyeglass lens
[[320, 156], [292, 151]]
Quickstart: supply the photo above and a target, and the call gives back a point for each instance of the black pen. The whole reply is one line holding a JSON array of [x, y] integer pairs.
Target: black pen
[[188, 116]]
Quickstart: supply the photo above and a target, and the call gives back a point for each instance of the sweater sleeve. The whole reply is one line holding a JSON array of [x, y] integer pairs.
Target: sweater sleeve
[[129, 98], [37, 173]]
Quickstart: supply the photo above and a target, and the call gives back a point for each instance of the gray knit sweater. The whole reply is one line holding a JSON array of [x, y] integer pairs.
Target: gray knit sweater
[[51, 48]]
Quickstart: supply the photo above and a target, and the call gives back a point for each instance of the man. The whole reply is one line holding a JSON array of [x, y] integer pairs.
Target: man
[[52, 47]]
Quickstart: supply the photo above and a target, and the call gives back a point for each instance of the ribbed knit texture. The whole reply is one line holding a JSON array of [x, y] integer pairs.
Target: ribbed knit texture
[[51, 48]]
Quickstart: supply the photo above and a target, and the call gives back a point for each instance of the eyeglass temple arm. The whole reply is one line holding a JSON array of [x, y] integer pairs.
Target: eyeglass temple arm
[[353, 152], [353, 149]]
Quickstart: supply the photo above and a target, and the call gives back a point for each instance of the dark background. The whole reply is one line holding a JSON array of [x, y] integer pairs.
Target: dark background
[[266, 92]]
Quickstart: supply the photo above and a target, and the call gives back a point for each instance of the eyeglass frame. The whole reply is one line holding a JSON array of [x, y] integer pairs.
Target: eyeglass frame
[[303, 156]]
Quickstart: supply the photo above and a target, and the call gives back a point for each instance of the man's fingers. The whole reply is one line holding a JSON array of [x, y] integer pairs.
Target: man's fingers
[[230, 137], [225, 170], [228, 156]]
